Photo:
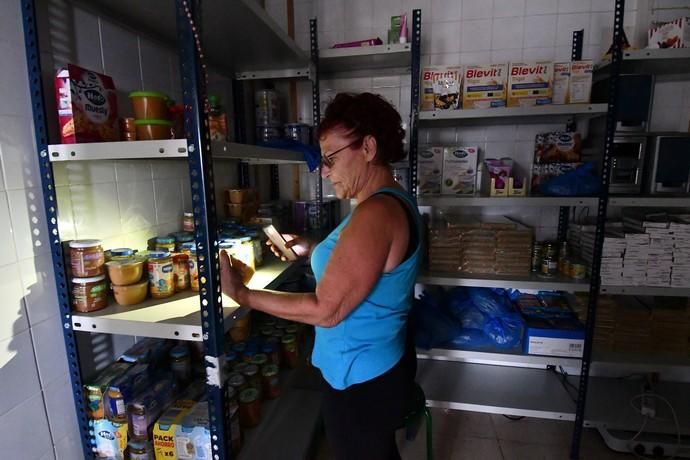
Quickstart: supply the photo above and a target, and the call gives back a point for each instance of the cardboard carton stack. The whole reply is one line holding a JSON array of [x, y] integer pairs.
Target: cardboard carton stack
[[680, 272]]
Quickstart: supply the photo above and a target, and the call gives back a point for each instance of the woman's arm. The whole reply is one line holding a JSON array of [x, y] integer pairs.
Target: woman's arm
[[355, 266]]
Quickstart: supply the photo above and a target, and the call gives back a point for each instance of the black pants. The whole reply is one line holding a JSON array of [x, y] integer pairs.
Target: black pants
[[361, 420]]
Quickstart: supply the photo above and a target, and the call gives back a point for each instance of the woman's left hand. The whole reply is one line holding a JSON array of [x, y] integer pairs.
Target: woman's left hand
[[231, 279]]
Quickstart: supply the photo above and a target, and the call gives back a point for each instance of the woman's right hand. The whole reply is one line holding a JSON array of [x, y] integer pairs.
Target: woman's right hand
[[301, 246]]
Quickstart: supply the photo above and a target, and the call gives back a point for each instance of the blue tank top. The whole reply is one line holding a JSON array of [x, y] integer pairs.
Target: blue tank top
[[371, 339]]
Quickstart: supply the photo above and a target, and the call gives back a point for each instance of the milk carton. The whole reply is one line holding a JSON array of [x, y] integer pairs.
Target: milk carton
[[561, 82], [580, 88], [441, 86], [429, 170], [530, 84], [484, 86], [459, 170]]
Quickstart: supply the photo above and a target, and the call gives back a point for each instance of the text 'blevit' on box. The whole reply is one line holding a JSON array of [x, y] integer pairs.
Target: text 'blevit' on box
[[434, 74], [484, 86], [580, 87], [429, 170], [459, 170], [530, 84]]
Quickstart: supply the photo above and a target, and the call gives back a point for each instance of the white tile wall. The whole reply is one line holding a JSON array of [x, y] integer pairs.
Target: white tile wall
[[24, 430], [49, 347]]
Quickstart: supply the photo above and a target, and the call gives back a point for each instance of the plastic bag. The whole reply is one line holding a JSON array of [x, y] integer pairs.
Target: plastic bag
[[579, 182], [432, 325], [506, 331]]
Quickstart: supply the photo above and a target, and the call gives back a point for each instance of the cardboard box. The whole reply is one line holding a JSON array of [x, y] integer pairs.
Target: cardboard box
[[674, 34], [552, 341], [109, 438], [484, 86], [193, 436], [459, 170], [561, 82], [165, 429], [580, 87], [87, 106], [530, 84], [436, 77], [429, 170]]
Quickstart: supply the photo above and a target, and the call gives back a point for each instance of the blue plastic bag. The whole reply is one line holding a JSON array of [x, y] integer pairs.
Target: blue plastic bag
[[432, 325], [579, 182]]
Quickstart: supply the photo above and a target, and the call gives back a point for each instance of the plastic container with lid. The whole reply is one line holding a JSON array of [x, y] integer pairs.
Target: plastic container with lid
[[250, 408], [181, 270], [182, 238], [165, 243], [270, 382], [237, 381], [240, 367], [181, 364], [230, 360], [125, 271], [260, 359], [89, 294], [149, 105], [86, 258], [119, 254], [251, 373], [161, 275], [131, 294], [152, 129], [272, 350], [188, 221]]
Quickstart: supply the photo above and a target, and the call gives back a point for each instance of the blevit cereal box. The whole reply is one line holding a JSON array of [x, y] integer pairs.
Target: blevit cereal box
[[87, 106], [429, 170], [530, 83], [441, 86], [459, 170], [484, 86], [580, 87], [561, 82]]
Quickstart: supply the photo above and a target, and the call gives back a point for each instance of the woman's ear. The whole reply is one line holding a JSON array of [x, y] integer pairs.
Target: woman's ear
[[370, 146]]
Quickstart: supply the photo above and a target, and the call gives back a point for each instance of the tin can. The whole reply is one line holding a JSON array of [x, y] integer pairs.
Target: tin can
[[299, 132], [266, 107]]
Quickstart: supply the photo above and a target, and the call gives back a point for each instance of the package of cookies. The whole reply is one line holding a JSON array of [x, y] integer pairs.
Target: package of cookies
[[557, 147], [441, 87], [87, 106]]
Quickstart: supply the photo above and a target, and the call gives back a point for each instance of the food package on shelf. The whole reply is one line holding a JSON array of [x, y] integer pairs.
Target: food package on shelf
[[580, 84], [87, 106], [97, 389], [441, 87], [165, 429], [541, 173], [484, 86], [561, 82], [109, 438], [193, 435], [557, 147], [459, 170], [674, 34], [530, 84], [429, 170]]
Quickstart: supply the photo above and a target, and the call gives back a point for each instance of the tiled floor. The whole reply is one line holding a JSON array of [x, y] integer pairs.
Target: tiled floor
[[469, 435], [461, 435]]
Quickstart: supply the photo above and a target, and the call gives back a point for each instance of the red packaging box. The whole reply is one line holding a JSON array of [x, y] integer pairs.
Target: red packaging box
[[87, 106]]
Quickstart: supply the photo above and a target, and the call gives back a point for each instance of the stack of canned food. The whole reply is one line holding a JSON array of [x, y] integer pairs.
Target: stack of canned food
[[549, 258]]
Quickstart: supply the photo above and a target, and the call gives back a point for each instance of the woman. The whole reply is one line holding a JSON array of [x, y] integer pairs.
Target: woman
[[365, 272]]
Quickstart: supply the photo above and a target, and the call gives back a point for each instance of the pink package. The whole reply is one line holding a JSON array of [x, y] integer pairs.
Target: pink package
[[499, 170], [368, 42]]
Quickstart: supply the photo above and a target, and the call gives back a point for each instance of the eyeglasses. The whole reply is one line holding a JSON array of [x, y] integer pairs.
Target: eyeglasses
[[326, 159]]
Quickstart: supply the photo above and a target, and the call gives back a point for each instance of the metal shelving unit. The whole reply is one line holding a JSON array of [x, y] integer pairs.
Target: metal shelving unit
[[532, 281], [513, 115], [182, 22], [668, 61], [498, 359], [538, 201], [650, 201], [366, 58]]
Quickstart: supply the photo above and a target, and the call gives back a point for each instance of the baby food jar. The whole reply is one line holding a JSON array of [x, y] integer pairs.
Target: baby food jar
[[119, 254], [271, 348], [190, 250], [117, 410], [161, 275], [138, 422], [290, 353], [237, 381], [138, 450], [270, 382], [89, 294], [181, 270], [250, 408], [86, 258], [181, 364], [182, 238], [188, 221], [165, 243], [260, 359]]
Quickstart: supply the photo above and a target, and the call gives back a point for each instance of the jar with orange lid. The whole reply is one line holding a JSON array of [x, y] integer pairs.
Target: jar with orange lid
[[181, 270], [89, 294], [86, 258], [161, 275]]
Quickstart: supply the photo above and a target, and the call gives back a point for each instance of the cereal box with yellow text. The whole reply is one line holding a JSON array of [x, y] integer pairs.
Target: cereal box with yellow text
[[87, 106]]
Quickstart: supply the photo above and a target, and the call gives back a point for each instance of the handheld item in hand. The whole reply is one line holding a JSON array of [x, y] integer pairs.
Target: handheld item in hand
[[279, 242]]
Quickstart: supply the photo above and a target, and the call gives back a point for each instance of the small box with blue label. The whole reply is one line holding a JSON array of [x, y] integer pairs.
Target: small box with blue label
[[564, 337]]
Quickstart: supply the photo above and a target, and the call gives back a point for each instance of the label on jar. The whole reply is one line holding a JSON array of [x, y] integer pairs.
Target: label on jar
[[139, 425], [117, 406], [161, 278], [87, 263], [193, 273], [87, 298], [181, 276]]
